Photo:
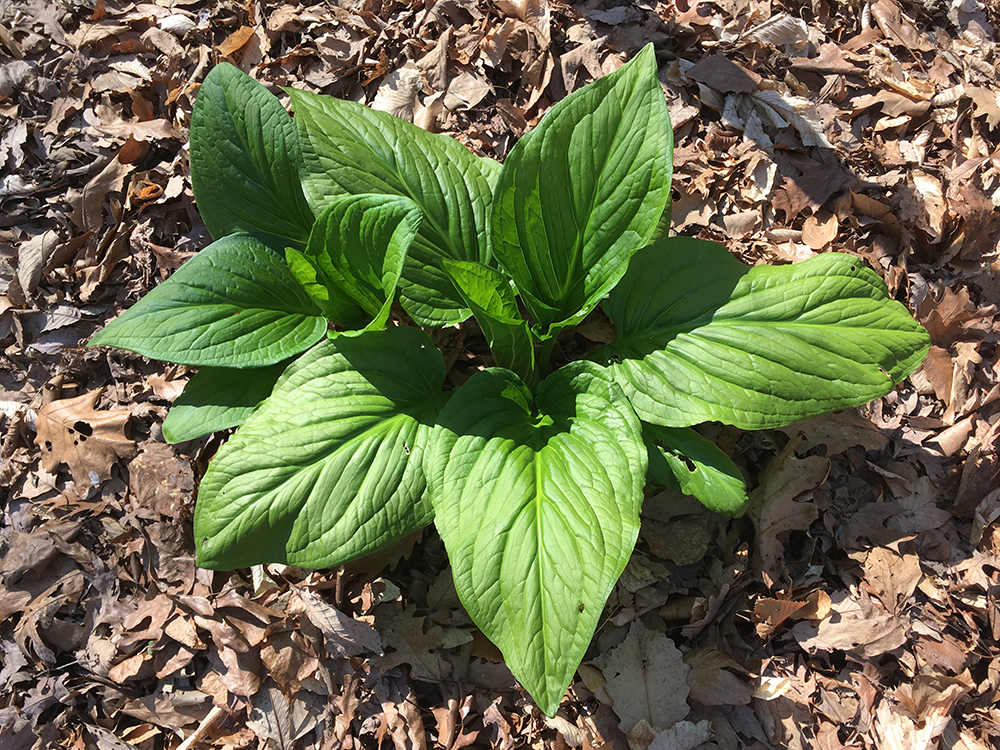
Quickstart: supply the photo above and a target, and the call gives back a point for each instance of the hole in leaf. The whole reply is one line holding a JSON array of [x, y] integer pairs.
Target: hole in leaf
[[83, 428]]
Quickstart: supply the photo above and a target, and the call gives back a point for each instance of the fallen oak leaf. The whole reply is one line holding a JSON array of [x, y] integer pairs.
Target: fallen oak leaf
[[89, 441]]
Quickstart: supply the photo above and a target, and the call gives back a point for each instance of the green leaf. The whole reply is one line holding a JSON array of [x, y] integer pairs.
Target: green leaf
[[700, 468], [218, 398], [358, 247], [539, 512], [244, 161], [329, 467], [234, 304], [490, 169], [583, 191], [334, 305], [488, 293], [703, 337], [349, 149]]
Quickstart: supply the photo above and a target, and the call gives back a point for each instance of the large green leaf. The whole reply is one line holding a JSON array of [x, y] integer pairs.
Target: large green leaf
[[244, 161], [218, 398], [234, 304], [329, 467], [539, 511], [703, 337], [583, 191], [358, 247], [488, 293], [349, 149], [699, 468]]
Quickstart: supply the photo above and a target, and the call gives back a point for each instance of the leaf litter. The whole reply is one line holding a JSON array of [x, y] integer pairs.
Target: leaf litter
[[853, 607]]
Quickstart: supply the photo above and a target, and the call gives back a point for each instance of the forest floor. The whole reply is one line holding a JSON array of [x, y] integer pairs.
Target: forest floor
[[854, 606]]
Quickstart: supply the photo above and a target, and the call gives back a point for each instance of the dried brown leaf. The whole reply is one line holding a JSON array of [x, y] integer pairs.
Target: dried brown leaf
[[89, 441], [774, 510], [235, 41], [838, 432], [820, 230], [646, 678], [892, 577], [853, 628], [405, 642], [162, 481]]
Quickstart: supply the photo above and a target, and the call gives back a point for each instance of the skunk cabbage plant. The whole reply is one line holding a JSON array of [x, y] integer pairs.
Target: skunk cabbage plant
[[330, 226]]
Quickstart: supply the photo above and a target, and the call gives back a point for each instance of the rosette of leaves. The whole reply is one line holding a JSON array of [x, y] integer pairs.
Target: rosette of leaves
[[534, 478]]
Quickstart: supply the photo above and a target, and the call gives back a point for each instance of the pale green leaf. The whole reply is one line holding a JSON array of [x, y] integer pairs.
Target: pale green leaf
[[329, 467], [538, 507], [488, 293], [703, 337]]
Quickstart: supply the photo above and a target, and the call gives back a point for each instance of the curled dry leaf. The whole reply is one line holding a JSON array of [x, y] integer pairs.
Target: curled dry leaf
[[820, 230], [769, 614], [235, 41]]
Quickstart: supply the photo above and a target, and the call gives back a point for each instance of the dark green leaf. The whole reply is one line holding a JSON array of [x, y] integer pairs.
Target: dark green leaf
[[218, 398], [244, 161], [358, 247], [329, 467], [700, 468], [349, 149]]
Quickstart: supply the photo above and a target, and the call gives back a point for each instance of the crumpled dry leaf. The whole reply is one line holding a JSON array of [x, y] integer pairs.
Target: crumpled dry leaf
[[88, 212], [402, 631], [851, 627], [892, 577], [343, 636], [89, 441], [466, 91], [397, 94], [920, 510], [781, 30], [161, 481], [32, 256], [769, 614]]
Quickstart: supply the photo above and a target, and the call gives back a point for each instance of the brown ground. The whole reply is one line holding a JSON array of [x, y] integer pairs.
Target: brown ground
[[854, 606]]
